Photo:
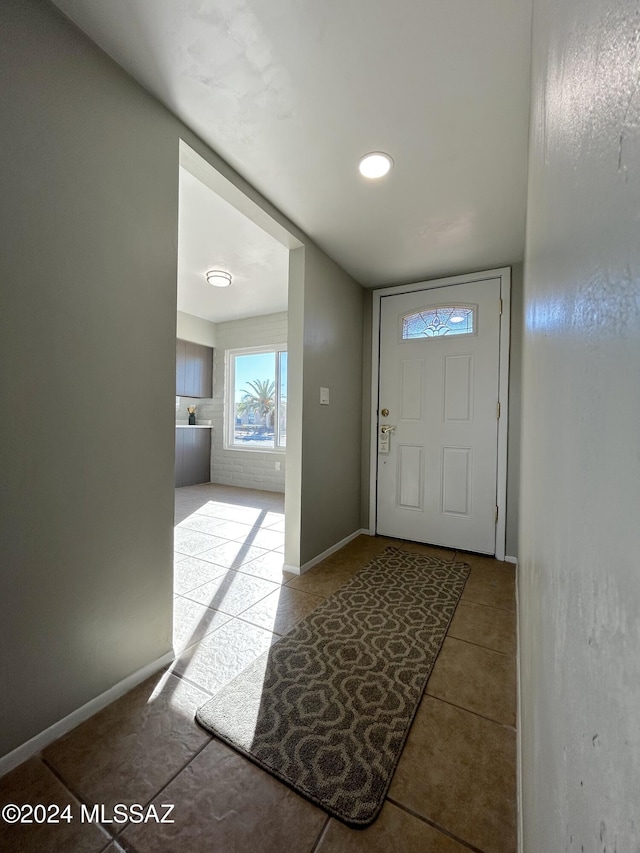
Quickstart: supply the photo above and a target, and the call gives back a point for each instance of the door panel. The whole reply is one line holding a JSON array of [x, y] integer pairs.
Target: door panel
[[458, 388], [456, 480], [411, 394], [410, 476], [439, 373]]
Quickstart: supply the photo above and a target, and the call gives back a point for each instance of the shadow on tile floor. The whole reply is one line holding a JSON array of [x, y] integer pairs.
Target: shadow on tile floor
[[454, 787]]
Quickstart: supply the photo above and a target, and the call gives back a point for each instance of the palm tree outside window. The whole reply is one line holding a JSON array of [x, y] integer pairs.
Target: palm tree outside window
[[256, 402]]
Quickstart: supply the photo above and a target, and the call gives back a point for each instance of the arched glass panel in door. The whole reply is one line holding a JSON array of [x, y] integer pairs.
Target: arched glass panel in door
[[442, 320]]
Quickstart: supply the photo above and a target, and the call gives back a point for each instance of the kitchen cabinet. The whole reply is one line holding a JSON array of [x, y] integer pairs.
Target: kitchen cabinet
[[194, 369], [193, 456]]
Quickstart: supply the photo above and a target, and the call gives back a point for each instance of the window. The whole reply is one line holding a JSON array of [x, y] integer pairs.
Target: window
[[257, 398], [447, 320]]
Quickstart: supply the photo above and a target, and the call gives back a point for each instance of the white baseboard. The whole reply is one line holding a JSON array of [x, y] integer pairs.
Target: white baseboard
[[508, 559], [305, 568], [37, 744]]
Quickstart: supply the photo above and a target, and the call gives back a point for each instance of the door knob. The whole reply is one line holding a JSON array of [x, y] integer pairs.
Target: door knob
[[385, 428]]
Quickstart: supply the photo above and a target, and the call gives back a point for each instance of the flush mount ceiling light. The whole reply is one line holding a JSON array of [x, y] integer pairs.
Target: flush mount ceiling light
[[219, 278], [375, 165]]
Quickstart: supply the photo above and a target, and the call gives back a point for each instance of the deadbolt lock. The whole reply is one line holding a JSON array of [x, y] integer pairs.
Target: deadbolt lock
[[385, 413]]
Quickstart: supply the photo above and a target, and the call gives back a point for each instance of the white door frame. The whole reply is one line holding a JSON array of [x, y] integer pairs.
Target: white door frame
[[504, 274]]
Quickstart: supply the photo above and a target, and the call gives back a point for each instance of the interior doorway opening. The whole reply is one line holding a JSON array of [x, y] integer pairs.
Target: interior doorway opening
[[232, 399]]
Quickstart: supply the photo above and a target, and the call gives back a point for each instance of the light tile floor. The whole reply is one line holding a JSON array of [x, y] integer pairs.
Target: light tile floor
[[454, 790]]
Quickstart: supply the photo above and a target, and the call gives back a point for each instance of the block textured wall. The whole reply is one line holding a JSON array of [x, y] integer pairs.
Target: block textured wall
[[253, 469]]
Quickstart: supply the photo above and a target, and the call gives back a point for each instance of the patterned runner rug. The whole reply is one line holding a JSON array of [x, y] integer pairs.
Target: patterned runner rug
[[328, 708]]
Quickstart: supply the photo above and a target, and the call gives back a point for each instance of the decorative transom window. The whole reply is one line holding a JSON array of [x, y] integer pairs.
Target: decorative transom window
[[435, 322]]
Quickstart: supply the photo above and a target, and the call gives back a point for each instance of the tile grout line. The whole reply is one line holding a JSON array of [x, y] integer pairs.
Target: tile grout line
[[172, 779], [225, 571], [435, 825], [464, 600], [219, 610], [52, 769], [243, 618], [120, 847], [178, 653], [321, 834], [467, 710], [479, 645], [190, 682], [200, 687], [303, 592], [185, 595], [115, 836], [82, 800], [118, 836], [240, 541], [255, 625]]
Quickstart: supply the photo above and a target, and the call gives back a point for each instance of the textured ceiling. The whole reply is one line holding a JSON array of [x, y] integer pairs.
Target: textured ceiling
[[214, 235], [292, 92]]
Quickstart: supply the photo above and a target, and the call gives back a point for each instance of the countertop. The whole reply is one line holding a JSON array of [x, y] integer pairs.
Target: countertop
[[197, 425]]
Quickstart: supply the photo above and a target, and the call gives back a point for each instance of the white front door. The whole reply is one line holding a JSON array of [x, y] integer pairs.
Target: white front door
[[437, 445]]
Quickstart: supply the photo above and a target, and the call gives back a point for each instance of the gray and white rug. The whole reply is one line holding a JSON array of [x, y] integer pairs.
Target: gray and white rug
[[328, 708]]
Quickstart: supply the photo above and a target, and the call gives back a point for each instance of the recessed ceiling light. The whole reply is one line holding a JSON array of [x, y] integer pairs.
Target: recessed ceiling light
[[375, 165], [219, 278]]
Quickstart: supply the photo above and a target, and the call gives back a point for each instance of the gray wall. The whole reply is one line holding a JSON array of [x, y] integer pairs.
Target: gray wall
[[195, 329], [331, 436], [88, 226], [250, 469], [295, 354], [580, 536]]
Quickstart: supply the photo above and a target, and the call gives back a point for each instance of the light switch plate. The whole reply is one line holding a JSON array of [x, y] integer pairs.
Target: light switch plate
[[324, 396]]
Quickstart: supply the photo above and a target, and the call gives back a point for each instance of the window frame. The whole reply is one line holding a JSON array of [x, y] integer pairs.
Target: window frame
[[229, 398]]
